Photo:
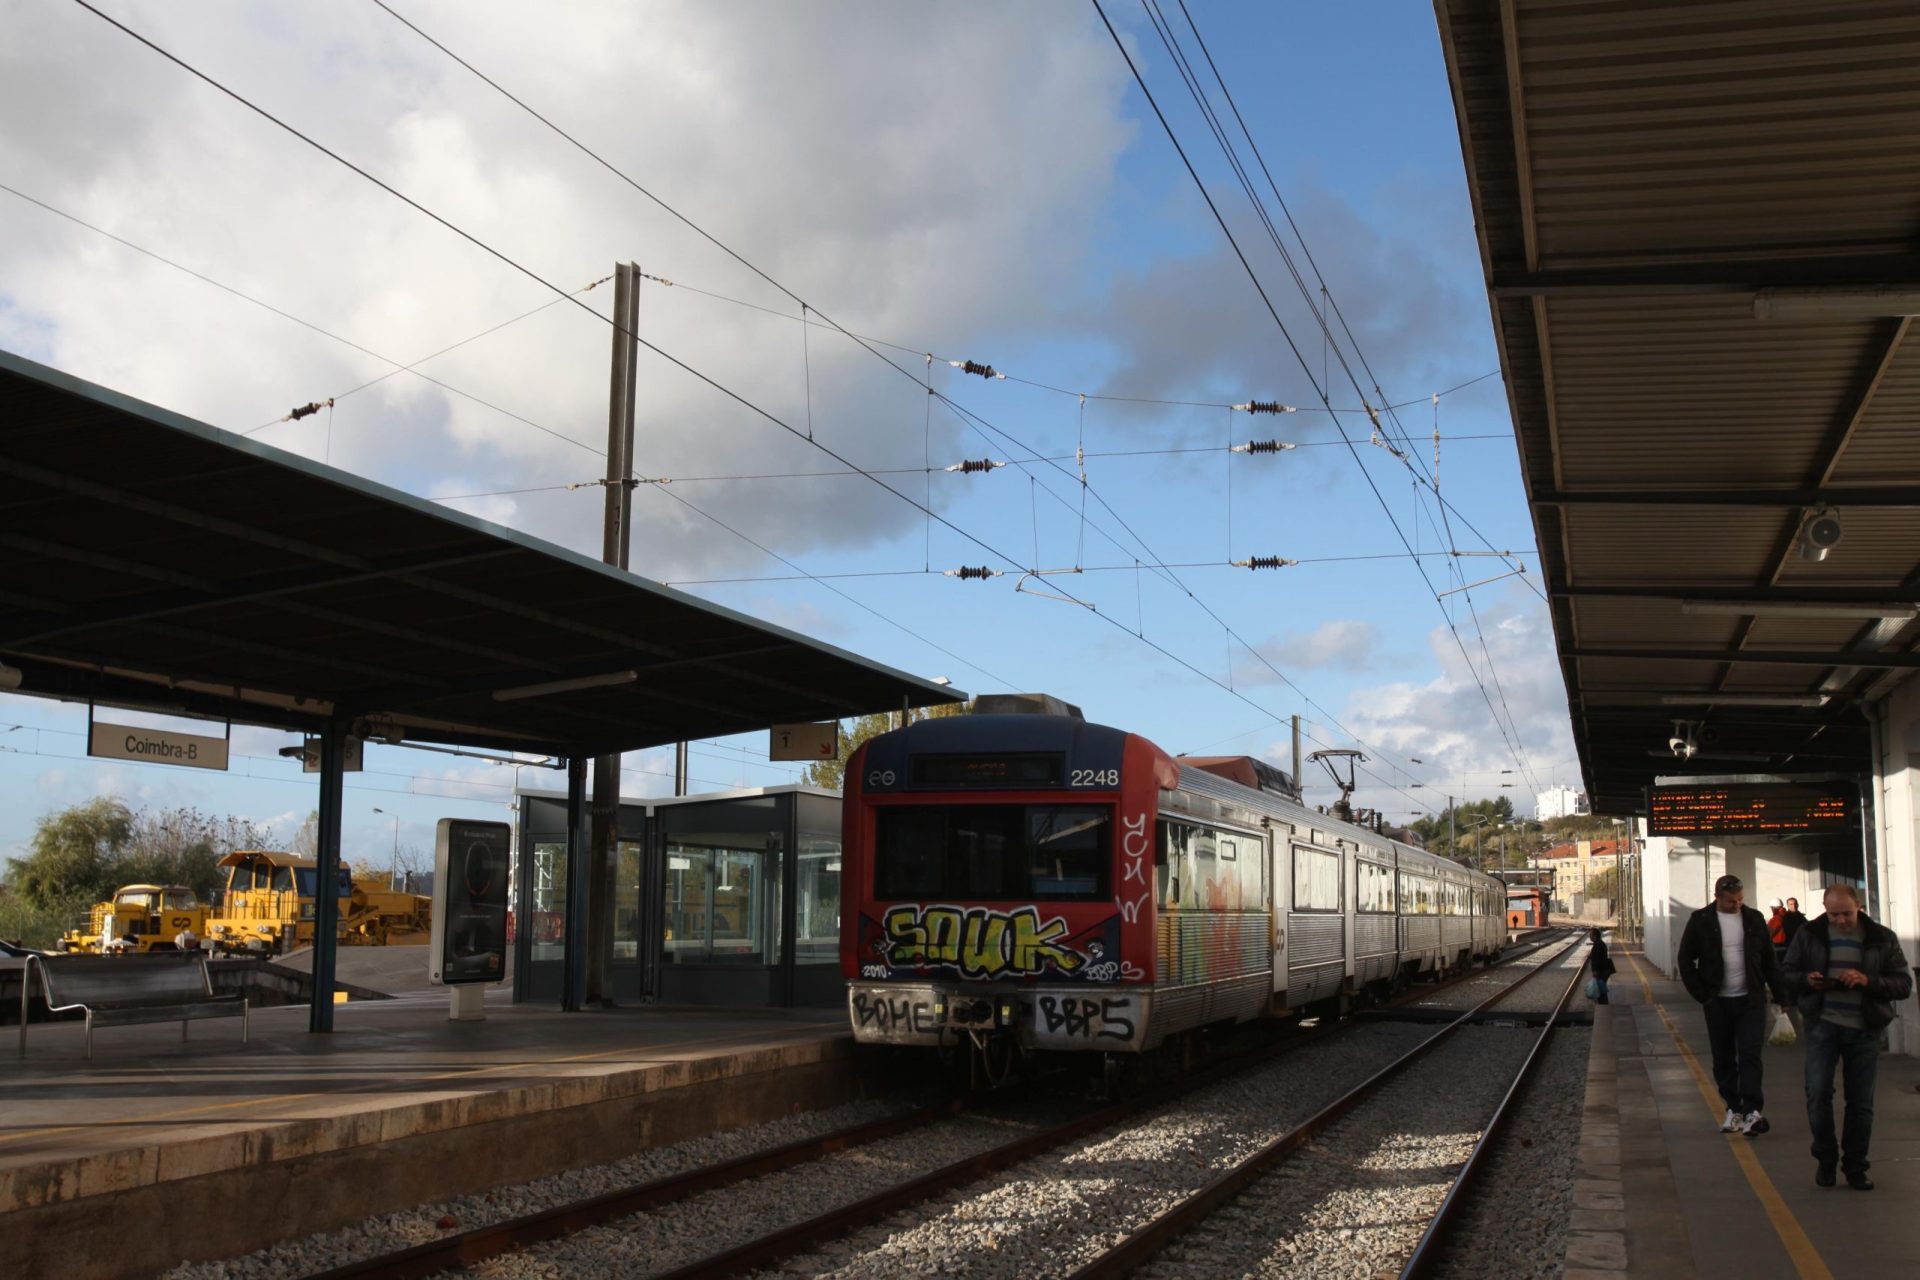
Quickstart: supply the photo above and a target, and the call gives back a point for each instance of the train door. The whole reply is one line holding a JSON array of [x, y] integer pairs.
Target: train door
[[1349, 903], [1280, 899]]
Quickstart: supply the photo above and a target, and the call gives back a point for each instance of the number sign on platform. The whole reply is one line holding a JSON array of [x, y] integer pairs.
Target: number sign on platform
[[804, 741]]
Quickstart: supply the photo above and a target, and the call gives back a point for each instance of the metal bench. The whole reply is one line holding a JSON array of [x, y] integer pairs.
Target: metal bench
[[120, 991]]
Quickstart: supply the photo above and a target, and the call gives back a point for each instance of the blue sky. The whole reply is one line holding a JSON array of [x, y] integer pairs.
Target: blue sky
[[992, 189]]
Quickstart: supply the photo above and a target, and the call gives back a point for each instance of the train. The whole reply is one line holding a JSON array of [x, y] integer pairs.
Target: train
[[1019, 881]]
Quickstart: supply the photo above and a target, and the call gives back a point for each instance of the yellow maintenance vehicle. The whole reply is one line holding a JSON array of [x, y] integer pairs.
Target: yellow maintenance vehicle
[[269, 901], [139, 918]]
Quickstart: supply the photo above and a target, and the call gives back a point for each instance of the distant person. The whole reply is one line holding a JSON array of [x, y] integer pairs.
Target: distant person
[[1794, 922], [1848, 973], [1727, 963], [1777, 925], [1599, 962]]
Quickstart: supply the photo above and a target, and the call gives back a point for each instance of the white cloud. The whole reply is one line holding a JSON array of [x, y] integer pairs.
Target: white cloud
[[1338, 644], [873, 178], [1445, 722]]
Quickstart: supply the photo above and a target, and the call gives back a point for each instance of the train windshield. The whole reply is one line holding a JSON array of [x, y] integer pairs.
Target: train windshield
[[994, 852]]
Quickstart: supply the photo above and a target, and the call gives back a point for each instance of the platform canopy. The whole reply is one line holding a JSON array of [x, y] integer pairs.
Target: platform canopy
[[1700, 224], [149, 560]]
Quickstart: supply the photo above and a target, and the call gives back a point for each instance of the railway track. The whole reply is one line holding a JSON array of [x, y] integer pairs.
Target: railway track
[[466, 1248]]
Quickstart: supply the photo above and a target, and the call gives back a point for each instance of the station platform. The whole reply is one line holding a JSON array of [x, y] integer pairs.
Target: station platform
[[165, 1143], [1661, 1192]]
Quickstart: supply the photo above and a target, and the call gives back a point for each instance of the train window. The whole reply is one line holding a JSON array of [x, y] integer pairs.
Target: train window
[[1199, 869], [1419, 895], [993, 852], [1316, 880], [1373, 888]]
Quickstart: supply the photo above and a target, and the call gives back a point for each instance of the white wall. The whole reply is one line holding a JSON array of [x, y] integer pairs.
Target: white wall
[[1896, 767], [1680, 875]]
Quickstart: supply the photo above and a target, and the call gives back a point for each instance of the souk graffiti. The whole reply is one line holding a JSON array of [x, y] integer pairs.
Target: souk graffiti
[[979, 942]]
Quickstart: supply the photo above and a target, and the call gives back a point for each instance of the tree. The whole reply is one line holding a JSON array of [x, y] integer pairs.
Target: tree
[[1604, 884], [831, 774], [306, 841], [72, 854]]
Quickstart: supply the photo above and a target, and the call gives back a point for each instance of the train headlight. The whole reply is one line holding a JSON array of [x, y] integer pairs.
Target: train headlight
[[1006, 1013]]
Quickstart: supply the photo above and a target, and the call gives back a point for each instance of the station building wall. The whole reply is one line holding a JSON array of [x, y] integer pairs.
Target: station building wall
[[1680, 875], [1896, 834]]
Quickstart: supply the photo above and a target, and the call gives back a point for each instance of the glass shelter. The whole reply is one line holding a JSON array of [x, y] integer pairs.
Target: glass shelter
[[731, 898]]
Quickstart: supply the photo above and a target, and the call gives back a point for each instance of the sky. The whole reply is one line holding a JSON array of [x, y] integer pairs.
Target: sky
[[985, 184]]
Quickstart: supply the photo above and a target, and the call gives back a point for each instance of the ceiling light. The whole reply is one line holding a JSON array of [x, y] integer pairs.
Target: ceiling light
[[565, 686], [1836, 303], [1744, 699], [1799, 609]]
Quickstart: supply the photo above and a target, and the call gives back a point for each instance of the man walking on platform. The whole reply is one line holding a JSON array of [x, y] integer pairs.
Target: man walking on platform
[[1848, 972], [1727, 963]]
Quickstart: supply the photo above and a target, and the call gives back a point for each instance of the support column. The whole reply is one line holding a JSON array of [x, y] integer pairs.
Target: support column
[[1894, 843], [573, 985], [326, 889]]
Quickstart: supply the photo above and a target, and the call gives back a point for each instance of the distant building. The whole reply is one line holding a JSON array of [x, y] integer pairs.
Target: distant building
[[1559, 802], [1573, 864]]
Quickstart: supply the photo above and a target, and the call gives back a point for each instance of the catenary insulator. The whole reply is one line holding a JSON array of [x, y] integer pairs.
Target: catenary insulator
[[1265, 446], [1265, 562], [974, 366], [1265, 406], [969, 572], [973, 466]]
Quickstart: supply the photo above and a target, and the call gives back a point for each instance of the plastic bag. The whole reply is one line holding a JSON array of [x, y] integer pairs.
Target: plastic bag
[[1782, 1029], [1594, 988]]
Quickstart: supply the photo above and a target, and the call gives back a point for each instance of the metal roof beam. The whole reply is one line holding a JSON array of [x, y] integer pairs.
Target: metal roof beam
[[1892, 271], [1775, 657], [1902, 594], [1875, 495]]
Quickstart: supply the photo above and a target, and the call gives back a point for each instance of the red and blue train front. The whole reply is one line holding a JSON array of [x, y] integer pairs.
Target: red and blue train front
[[1000, 884]]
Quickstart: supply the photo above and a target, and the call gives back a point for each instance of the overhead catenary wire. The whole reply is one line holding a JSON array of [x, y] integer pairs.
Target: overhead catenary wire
[[1274, 313], [1409, 456], [684, 366], [728, 250]]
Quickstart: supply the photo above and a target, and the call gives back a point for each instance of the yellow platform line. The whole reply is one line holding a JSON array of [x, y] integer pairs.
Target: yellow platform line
[[1793, 1237]]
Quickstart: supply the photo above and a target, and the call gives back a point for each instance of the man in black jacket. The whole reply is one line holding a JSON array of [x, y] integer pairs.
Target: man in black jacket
[[1847, 972], [1727, 963]]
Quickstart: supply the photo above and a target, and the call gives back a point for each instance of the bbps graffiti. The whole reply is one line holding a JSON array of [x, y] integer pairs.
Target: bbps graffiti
[[978, 941]]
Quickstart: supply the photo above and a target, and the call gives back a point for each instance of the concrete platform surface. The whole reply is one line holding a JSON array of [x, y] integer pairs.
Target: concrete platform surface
[[150, 1110], [1663, 1193]]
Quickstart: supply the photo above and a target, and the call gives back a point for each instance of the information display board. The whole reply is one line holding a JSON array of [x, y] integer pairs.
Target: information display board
[[1752, 808], [472, 865]]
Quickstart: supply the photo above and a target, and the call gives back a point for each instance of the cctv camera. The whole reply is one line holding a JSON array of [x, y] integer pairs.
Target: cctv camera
[[1820, 534]]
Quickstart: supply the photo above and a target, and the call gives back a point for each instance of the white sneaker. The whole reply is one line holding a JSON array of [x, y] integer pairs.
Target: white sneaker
[[1755, 1124], [1733, 1121]]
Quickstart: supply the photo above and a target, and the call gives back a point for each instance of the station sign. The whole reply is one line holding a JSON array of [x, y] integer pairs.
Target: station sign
[[1752, 808], [156, 746], [804, 741], [472, 863]]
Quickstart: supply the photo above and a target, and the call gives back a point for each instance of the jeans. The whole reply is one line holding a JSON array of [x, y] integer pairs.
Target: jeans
[[1857, 1053], [1602, 997], [1736, 1028]]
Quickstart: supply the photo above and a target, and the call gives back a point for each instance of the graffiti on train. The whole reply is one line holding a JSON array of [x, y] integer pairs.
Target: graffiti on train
[[979, 942], [1085, 1018], [891, 1014]]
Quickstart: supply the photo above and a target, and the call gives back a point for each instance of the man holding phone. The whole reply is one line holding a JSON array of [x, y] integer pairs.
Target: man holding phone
[[1847, 972]]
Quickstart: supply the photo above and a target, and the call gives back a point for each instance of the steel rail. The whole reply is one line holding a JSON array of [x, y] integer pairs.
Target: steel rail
[[480, 1243], [1426, 1254], [1147, 1240]]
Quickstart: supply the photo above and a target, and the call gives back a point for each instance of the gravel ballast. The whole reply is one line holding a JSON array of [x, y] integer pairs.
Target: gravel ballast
[[1515, 1222]]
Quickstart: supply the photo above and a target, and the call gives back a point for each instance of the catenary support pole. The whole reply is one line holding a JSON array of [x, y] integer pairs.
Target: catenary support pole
[[326, 888], [573, 978], [615, 544]]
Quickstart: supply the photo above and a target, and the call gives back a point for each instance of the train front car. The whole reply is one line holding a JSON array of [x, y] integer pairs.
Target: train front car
[[1000, 886]]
